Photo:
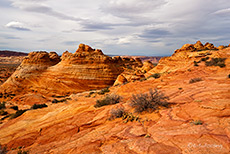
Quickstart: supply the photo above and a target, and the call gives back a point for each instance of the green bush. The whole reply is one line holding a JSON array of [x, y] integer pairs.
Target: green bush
[[17, 114], [37, 106], [14, 107], [2, 112], [216, 62], [108, 100], [195, 80], [149, 102], [20, 151], [156, 75], [143, 79], [204, 59], [195, 63], [130, 117], [2, 105], [54, 101], [103, 91], [197, 122]]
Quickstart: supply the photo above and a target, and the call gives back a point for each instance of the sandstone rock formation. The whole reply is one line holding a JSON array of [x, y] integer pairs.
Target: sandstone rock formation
[[120, 80], [197, 120], [8, 65], [147, 65], [48, 74], [183, 59], [198, 46]]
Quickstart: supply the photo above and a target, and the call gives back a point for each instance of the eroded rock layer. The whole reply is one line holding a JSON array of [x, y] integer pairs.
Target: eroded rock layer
[[49, 74]]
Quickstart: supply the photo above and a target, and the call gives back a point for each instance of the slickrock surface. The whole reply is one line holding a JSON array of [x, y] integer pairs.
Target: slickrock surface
[[76, 126]]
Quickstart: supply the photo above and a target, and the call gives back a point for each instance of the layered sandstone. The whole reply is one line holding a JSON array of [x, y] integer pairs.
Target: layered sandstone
[[49, 74], [77, 127], [183, 59]]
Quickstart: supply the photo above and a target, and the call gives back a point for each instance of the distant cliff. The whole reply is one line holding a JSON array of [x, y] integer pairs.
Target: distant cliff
[[7, 53]]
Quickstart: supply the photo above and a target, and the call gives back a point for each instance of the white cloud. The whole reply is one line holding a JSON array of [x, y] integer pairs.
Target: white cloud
[[223, 11], [17, 25], [130, 26]]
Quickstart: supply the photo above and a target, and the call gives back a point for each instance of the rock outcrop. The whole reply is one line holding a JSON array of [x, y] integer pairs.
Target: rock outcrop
[[198, 46], [196, 122], [186, 57], [49, 74]]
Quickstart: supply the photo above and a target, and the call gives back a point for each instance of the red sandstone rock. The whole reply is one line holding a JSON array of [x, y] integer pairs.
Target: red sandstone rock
[[84, 70], [77, 127]]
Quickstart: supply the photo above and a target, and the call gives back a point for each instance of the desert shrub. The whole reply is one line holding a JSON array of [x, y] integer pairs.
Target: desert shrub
[[14, 107], [108, 100], [197, 122], [37, 106], [155, 75], [142, 79], [2, 112], [216, 62], [195, 63], [3, 150], [17, 114], [195, 80], [204, 59], [130, 117], [103, 91], [149, 102], [20, 151], [2, 105], [54, 101], [116, 113]]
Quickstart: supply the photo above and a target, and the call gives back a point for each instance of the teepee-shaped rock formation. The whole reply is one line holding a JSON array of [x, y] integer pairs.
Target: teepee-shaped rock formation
[[45, 73]]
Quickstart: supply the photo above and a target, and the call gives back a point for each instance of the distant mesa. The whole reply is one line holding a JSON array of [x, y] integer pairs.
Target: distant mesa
[[7, 53]]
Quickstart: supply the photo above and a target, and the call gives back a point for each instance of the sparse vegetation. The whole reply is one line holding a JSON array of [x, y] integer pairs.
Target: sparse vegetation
[[195, 80], [14, 107], [37, 106], [216, 62], [54, 101], [196, 63], [91, 93], [197, 122], [2, 112], [142, 79], [20, 151], [3, 105], [204, 59], [130, 117], [3, 150], [149, 102], [103, 91], [116, 113], [108, 100], [17, 114], [155, 75]]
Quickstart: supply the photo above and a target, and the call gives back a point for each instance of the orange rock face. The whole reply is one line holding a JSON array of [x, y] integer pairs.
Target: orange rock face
[[196, 122], [45, 73], [198, 46]]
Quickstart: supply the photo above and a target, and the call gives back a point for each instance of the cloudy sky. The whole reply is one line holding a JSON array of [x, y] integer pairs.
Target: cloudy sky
[[133, 27]]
